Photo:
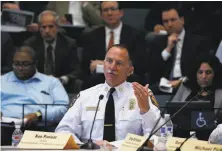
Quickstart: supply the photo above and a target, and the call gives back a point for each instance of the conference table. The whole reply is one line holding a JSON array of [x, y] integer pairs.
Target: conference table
[[12, 148]]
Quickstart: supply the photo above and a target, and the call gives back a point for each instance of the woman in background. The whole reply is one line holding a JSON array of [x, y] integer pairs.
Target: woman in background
[[205, 78]]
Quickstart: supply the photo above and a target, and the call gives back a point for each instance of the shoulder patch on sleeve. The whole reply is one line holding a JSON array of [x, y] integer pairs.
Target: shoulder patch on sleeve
[[73, 100]]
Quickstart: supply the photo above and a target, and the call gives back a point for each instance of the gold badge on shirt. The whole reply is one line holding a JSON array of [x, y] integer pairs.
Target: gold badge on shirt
[[91, 108], [132, 104]]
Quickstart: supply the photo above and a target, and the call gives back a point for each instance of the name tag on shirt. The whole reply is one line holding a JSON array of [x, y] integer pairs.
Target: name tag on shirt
[[91, 108]]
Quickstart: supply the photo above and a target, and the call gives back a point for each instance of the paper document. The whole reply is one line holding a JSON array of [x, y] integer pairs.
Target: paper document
[[165, 86], [117, 144], [15, 120], [99, 68], [163, 32]]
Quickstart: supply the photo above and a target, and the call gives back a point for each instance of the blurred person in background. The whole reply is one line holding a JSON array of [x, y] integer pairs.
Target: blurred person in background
[[171, 55], [25, 85], [206, 77], [56, 52]]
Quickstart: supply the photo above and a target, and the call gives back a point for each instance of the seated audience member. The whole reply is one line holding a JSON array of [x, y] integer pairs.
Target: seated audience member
[[153, 22], [172, 55], [83, 13], [201, 18], [207, 77], [97, 42], [25, 85], [56, 53], [125, 106], [216, 135], [7, 51]]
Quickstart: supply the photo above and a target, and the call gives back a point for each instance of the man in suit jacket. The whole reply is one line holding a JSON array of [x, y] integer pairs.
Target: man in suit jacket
[[56, 53], [97, 42], [172, 55], [89, 10]]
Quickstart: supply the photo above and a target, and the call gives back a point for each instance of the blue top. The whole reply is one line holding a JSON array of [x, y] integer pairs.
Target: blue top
[[40, 89]]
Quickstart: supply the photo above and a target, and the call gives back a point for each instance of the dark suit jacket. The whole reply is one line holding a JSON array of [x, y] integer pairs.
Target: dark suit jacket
[[66, 60], [7, 52], [193, 46], [95, 46]]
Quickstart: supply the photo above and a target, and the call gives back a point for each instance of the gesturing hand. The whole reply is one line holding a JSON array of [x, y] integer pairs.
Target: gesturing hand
[[141, 93]]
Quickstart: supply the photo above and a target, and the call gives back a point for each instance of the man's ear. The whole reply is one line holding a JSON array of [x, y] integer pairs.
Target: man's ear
[[131, 70], [121, 12], [182, 20]]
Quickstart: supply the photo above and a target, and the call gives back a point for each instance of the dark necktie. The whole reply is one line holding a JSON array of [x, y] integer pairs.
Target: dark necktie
[[49, 60], [109, 122]]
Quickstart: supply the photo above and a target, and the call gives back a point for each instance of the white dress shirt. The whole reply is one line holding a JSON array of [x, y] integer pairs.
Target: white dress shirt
[[216, 135], [166, 55], [78, 120], [116, 33], [76, 11]]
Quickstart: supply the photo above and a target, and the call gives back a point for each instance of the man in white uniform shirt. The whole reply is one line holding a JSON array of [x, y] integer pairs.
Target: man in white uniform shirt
[[133, 109]]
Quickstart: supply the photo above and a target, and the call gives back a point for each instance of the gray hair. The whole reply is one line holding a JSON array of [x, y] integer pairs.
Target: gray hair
[[28, 50], [123, 47], [50, 13]]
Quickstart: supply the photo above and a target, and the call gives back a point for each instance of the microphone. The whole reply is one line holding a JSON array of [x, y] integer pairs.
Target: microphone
[[143, 147], [212, 120], [90, 144]]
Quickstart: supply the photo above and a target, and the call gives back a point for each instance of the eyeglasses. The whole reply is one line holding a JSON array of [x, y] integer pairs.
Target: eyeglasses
[[23, 64], [207, 72], [105, 10]]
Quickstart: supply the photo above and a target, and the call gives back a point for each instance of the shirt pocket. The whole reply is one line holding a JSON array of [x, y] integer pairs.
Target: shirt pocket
[[88, 117], [130, 121]]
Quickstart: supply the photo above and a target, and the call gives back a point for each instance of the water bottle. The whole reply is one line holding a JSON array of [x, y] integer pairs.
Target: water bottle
[[163, 131], [194, 134], [16, 135], [169, 126], [161, 144]]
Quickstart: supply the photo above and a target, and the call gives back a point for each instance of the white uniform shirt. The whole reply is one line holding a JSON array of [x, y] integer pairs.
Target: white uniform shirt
[[78, 120], [216, 135]]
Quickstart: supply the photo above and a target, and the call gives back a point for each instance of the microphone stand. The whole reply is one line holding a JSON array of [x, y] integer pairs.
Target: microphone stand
[[90, 144], [143, 147]]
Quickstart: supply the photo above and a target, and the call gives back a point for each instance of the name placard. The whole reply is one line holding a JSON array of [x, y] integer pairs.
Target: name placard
[[47, 140], [132, 142], [191, 144]]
